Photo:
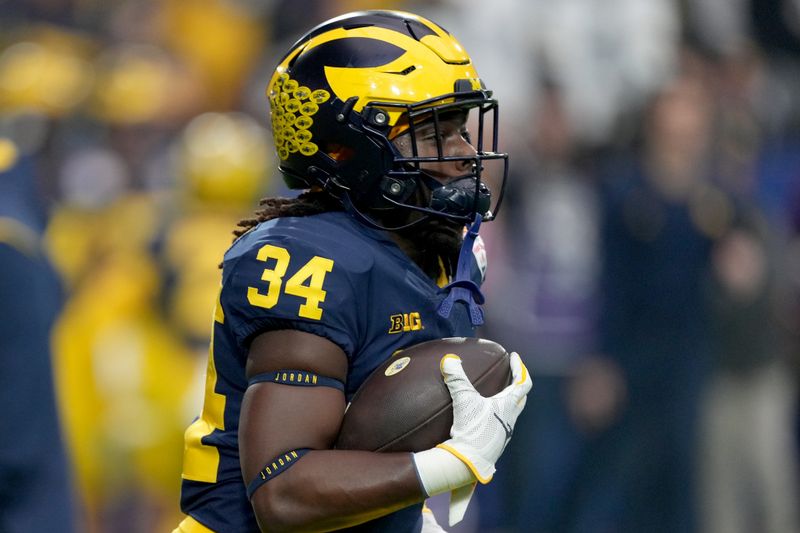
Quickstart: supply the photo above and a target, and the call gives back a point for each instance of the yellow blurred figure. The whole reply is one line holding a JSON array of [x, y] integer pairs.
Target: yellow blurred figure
[[126, 345], [203, 237], [124, 376], [220, 39], [77, 236], [142, 83], [222, 167], [46, 71], [344, 6], [224, 159], [133, 84]]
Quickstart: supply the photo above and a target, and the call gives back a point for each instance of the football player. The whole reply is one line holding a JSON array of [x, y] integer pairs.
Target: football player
[[370, 118]]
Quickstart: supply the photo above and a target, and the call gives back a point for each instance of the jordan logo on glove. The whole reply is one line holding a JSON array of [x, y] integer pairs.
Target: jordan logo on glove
[[508, 428]]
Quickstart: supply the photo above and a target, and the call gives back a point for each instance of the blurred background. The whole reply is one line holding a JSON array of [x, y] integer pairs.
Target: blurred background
[[646, 262]]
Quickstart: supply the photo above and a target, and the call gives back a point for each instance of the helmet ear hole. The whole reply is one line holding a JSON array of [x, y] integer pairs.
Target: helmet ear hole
[[376, 117], [397, 189]]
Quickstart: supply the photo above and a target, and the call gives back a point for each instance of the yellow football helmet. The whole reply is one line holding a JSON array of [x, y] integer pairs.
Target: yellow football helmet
[[352, 84]]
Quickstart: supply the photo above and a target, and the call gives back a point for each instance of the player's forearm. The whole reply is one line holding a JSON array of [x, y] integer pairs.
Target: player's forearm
[[332, 489]]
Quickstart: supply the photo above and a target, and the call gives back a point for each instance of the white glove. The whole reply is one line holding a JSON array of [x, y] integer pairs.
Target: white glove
[[482, 426], [481, 430]]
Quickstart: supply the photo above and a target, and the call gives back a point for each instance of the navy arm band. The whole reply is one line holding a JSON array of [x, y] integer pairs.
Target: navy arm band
[[274, 468], [300, 378]]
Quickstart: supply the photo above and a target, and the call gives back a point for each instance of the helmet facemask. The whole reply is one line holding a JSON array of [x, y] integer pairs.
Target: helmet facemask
[[410, 190]]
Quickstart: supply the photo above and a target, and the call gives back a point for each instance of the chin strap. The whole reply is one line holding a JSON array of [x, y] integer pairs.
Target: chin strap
[[350, 207], [462, 287]]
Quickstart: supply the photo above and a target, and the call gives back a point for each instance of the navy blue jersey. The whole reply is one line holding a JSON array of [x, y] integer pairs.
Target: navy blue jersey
[[325, 274]]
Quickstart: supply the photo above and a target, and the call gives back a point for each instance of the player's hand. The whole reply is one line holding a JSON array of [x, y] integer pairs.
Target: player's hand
[[482, 427], [481, 430]]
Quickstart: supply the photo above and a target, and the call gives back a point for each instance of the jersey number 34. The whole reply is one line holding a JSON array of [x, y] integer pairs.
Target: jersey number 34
[[306, 283]]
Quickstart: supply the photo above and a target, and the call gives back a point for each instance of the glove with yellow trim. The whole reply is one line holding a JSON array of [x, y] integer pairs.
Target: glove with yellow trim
[[482, 427]]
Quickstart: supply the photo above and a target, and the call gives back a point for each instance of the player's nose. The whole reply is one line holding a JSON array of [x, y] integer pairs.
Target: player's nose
[[466, 152]]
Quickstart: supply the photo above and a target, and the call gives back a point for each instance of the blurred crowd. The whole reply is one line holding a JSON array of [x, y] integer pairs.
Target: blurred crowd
[[646, 262]]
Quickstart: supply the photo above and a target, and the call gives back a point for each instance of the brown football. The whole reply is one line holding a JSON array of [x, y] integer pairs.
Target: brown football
[[404, 404]]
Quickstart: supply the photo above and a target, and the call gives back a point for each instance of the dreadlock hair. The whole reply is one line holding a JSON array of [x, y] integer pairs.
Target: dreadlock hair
[[306, 204], [438, 242]]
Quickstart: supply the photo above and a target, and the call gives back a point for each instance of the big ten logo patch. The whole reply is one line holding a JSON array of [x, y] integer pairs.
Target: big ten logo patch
[[405, 322]]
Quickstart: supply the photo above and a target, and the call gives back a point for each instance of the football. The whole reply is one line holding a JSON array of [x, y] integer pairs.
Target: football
[[404, 404]]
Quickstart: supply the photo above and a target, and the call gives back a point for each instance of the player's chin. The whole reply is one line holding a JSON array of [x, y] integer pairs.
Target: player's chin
[[441, 234]]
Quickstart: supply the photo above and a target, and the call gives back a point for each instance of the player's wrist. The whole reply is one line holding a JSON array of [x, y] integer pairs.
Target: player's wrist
[[482, 469], [440, 471]]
